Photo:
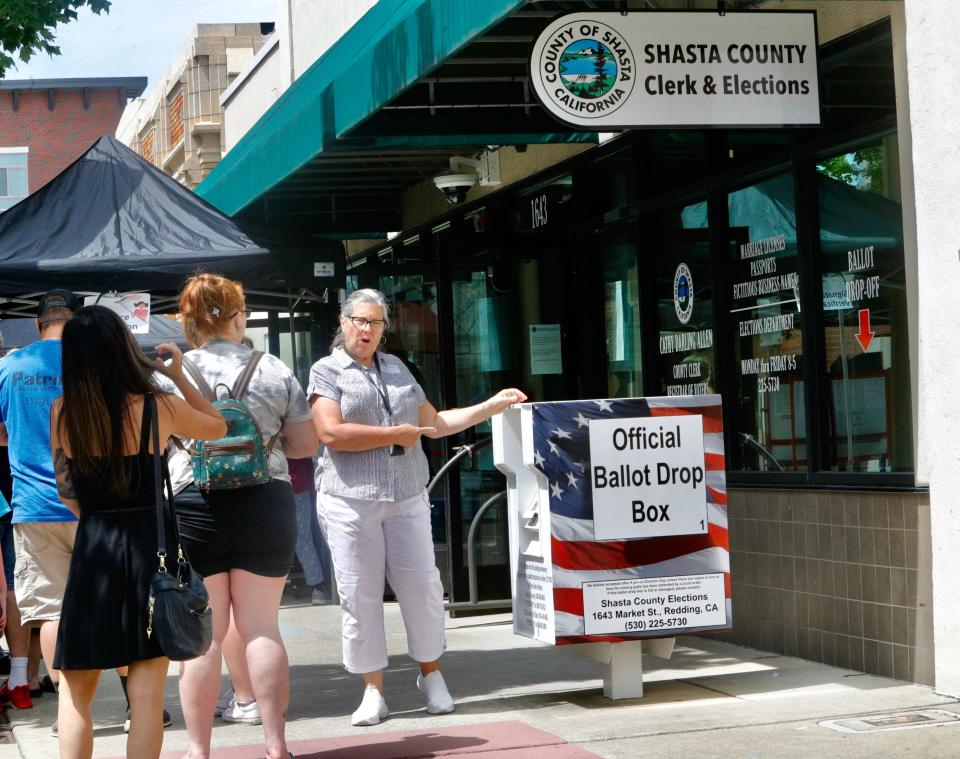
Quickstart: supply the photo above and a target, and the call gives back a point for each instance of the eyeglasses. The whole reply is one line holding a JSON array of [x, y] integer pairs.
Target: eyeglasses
[[360, 323], [246, 313]]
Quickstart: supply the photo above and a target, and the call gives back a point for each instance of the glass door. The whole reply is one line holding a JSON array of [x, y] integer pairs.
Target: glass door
[[414, 339], [409, 283], [621, 313], [510, 323], [487, 356], [684, 294]]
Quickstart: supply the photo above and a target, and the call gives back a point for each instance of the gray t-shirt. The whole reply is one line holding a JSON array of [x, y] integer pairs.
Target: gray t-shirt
[[273, 396], [372, 475]]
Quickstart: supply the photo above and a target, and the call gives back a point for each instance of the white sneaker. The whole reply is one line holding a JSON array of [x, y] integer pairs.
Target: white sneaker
[[245, 714], [439, 700], [372, 709], [223, 703]]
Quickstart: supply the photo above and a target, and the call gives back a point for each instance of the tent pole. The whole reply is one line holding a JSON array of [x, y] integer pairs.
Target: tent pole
[[293, 336], [304, 295]]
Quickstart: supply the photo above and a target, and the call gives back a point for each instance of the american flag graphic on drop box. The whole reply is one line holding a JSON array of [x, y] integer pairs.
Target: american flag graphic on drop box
[[562, 453]]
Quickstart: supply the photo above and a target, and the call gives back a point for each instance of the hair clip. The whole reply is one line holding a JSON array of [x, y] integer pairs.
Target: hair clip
[[215, 311]]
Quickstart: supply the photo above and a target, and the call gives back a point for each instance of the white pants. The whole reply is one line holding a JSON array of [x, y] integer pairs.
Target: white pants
[[370, 540]]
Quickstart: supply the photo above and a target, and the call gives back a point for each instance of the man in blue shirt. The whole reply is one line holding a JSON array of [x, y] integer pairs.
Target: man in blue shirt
[[44, 529]]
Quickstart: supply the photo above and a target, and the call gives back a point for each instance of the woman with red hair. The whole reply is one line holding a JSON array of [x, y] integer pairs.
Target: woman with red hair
[[242, 540]]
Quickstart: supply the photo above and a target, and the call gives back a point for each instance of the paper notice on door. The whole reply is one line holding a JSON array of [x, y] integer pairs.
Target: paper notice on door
[[545, 355]]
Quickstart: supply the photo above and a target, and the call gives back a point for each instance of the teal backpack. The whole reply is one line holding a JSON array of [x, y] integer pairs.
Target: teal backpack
[[240, 458]]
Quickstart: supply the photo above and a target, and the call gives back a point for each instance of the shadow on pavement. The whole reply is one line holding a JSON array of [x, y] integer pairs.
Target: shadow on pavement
[[327, 690]]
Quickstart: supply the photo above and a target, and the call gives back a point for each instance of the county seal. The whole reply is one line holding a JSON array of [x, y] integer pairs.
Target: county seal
[[587, 69], [683, 293]]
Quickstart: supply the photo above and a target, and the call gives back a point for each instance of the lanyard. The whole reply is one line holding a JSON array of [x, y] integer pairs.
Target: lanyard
[[381, 388], [395, 450]]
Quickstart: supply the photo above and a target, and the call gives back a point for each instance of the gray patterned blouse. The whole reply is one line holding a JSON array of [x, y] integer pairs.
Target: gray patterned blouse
[[372, 475]]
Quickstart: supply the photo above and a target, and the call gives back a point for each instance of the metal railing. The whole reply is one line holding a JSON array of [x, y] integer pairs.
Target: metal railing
[[474, 601], [750, 440]]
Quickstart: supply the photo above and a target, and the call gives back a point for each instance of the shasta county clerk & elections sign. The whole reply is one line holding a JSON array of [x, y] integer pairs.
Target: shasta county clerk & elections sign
[[679, 68]]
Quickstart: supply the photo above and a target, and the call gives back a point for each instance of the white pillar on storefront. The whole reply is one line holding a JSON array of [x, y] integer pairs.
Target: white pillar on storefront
[[933, 71]]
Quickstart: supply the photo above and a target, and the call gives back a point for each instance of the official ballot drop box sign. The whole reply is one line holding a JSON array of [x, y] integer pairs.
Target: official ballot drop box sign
[[618, 519]]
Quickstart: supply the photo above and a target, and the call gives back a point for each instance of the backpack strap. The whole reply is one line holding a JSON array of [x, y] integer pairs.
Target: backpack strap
[[202, 385], [240, 386]]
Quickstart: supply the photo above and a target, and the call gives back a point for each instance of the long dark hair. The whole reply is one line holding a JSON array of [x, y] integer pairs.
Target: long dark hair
[[102, 367]]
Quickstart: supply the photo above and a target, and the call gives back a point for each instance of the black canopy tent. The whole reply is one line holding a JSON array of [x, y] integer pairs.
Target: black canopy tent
[[16, 333], [113, 222]]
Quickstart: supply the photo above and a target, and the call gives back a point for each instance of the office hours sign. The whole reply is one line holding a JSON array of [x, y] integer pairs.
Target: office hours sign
[[648, 477], [614, 71]]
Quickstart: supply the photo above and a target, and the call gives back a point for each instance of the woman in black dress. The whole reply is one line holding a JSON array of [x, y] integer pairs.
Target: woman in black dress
[[100, 437]]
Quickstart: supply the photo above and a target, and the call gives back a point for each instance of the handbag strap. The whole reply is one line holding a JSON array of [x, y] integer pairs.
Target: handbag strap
[[161, 479]]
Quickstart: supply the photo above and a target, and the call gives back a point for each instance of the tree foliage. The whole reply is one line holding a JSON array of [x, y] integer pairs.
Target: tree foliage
[[863, 169], [599, 62], [27, 26]]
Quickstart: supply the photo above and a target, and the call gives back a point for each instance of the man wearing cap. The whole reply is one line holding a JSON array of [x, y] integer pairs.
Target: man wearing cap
[[43, 528]]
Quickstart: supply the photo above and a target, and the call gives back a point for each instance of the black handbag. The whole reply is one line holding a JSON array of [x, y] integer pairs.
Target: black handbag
[[178, 612]]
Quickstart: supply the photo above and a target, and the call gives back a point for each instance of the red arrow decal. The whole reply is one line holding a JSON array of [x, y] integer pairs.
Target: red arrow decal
[[865, 335]]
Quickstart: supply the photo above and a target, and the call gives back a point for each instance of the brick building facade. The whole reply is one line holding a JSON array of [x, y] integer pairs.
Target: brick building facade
[[55, 120]]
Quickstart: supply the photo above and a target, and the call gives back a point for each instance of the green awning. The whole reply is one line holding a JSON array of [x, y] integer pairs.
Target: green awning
[[396, 43]]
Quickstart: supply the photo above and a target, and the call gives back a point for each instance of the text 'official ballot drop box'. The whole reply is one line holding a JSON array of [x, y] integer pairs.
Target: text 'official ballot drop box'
[[618, 518]]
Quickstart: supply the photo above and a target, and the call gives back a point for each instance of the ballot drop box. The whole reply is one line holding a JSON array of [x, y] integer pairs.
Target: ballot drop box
[[618, 521]]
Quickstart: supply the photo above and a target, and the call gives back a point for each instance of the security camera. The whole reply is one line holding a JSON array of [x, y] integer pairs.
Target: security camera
[[455, 186], [466, 172]]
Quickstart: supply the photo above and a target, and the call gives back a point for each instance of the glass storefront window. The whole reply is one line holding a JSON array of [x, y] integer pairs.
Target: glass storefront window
[[13, 176], [613, 186], [486, 348], [414, 339], [298, 357], [414, 329], [672, 160], [766, 322], [751, 146], [867, 368], [508, 331], [684, 292], [487, 358], [621, 310]]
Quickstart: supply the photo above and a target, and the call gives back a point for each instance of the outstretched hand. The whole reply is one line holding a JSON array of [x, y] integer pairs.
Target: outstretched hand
[[175, 368], [505, 399]]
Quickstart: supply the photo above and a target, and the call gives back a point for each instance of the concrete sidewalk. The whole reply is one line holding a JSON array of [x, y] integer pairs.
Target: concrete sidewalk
[[711, 699]]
